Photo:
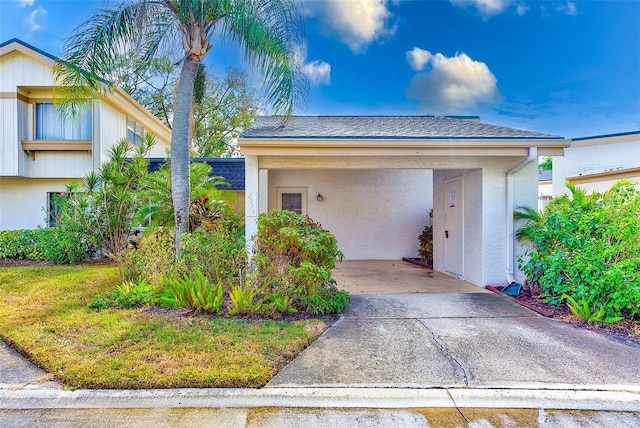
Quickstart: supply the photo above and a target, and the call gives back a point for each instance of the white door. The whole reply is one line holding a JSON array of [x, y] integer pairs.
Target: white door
[[454, 227]]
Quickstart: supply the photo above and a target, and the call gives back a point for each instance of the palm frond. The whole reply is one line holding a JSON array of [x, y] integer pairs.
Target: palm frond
[[271, 34], [92, 53]]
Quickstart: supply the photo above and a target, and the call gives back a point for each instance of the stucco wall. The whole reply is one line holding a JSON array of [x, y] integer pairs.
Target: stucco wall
[[472, 191], [375, 214], [23, 201], [605, 156]]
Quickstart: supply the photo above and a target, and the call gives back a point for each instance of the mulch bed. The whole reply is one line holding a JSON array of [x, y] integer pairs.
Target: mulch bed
[[625, 331]]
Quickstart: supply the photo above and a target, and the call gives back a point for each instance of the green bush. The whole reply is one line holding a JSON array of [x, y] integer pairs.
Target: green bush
[[294, 256], [587, 247], [59, 245], [24, 244]]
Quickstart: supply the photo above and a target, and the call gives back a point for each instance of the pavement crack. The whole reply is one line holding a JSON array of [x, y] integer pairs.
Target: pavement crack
[[461, 370]]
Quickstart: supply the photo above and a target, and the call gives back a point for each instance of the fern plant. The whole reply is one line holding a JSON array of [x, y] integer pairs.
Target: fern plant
[[196, 293], [586, 310]]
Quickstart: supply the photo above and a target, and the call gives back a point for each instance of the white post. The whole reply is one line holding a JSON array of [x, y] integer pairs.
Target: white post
[[251, 195]]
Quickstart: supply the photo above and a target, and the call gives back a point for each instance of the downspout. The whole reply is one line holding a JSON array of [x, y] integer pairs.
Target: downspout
[[533, 156]]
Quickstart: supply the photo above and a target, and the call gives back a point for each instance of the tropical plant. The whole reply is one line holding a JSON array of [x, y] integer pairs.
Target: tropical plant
[[586, 246], [208, 203], [426, 245], [587, 310], [268, 31], [195, 292], [244, 299], [105, 203]]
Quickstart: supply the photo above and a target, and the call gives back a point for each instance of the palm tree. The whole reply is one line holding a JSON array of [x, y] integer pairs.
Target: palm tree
[[268, 31]]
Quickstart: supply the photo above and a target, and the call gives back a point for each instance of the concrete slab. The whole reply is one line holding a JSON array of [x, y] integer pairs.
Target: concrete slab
[[396, 276], [436, 305], [18, 372], [535, 350], [370, 353]]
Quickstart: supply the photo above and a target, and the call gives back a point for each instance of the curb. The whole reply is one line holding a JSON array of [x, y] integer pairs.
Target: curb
[[613, 398]]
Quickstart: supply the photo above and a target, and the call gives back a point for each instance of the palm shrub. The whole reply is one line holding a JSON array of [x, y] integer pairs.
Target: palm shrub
[[103, 205], [587, 247], [295, 255]]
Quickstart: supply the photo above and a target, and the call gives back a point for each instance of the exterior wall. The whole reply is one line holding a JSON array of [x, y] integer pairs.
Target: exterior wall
[[596, 158], [472, 221], [9, 135], [375, 214], [23, 201], [524, 194], [485, 217]]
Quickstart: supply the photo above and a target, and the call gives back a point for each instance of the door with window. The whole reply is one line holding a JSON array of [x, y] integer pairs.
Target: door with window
[[454, 227], [292, 199]]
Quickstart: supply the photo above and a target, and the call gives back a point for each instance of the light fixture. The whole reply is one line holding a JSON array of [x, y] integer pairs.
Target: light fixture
[[319, 197]]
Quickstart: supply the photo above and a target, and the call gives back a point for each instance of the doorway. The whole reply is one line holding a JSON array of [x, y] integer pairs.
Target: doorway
[[454, 227]]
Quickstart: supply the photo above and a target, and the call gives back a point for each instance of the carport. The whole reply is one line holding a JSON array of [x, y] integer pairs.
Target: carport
[[393, 277], [372, 181]]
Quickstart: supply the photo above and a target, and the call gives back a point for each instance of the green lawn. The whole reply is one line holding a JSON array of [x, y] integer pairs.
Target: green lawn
[[44, 315]]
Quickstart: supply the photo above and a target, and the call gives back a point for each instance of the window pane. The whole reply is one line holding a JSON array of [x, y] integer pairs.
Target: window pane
[[292, 202], [135, 131], [50, 126]]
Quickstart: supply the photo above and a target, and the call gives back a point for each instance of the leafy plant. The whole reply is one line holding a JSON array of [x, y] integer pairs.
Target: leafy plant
[[280, 302], [209, 203], [426, 245], [243, 299], [587, 247], [127, 295], [325, 299], [295, 255], [586, 310], [196, 293]]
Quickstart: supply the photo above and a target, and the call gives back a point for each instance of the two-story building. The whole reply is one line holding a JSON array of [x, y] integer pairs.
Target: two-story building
[[39, 151]]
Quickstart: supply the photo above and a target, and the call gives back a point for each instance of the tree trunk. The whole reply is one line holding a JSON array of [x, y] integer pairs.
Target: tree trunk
[[180, 185]]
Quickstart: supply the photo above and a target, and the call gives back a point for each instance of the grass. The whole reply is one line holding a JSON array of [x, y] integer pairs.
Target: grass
[[44, 315]]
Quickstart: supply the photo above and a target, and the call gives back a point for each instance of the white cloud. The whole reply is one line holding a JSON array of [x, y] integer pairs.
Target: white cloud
[[418, 58], [30, 20], [521, 9], [568, 8], [318, 72], [486, 8], [357, 23], [24, 3], [453, 84]]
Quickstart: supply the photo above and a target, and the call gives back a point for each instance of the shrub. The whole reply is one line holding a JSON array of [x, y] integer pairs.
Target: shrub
[[220, 254], [24, 244], [294, 256], [127, 295], [59, 244], [587, 247]]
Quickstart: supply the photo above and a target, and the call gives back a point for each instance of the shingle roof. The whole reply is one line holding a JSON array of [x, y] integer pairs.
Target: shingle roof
[[231, 169], [388, 127]]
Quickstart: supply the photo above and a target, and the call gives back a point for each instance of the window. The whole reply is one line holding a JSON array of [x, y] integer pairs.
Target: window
[[135, 131], [292, 199], [50, 126], [56, 201]]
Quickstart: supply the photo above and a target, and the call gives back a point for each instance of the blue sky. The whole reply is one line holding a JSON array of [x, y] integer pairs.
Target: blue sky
[[570, 68]]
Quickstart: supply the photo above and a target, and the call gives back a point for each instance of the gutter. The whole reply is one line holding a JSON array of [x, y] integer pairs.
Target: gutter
[[509, 259]]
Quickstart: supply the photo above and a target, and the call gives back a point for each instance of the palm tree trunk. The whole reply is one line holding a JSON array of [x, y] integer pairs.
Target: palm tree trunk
[[180, 190]]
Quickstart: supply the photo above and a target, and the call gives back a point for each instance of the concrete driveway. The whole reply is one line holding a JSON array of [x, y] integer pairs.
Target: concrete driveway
[[468, 337]]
